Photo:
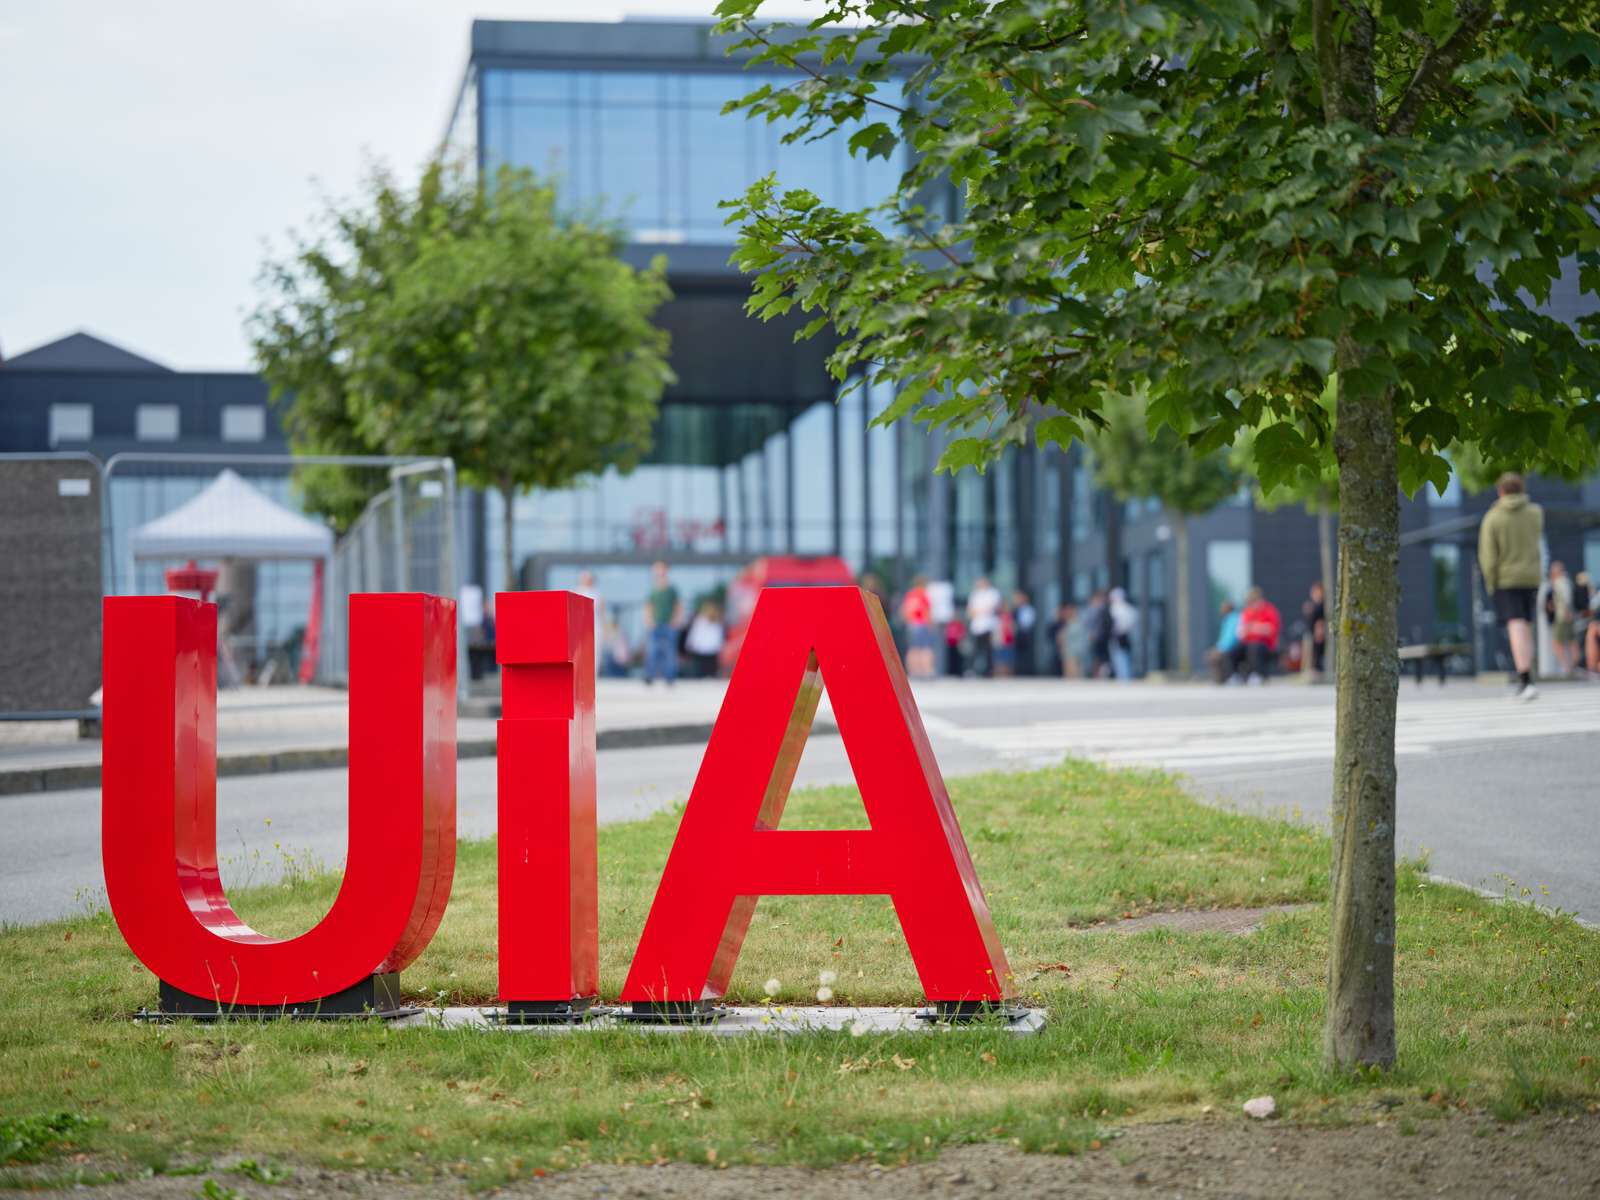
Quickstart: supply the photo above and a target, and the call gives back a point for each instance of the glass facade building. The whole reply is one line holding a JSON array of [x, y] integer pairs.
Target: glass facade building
[[652, 147], [758, 450]]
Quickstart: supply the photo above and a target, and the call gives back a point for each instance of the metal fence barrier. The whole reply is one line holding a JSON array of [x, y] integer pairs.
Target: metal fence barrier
[[407, 539], [73, 529]]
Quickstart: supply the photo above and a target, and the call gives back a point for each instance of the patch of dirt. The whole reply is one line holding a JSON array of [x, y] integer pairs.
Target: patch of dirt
[[1454, 1156], [1238, 921]]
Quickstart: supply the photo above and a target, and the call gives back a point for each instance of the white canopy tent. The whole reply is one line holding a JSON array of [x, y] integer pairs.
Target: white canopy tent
[[232, 522], [231, 519]]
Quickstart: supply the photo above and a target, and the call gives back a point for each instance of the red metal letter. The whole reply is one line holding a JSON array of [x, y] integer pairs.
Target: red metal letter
[[730, 851], [159, 797], [549, 923]]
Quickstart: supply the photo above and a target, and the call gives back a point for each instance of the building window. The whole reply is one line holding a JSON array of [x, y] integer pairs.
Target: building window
[[156, 422], [812, 434], [1447, 589], [1083, 500], [243, 423], [71, 423], [1227, 576]]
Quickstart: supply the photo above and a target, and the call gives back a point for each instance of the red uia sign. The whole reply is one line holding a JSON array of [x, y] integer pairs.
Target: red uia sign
[[160, 812]]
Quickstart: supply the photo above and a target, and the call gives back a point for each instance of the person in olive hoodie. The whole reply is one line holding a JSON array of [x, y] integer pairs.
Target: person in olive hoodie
[[1509, 555]]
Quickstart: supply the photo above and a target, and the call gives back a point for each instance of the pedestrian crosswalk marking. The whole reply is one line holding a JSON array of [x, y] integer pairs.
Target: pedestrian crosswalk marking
[[1292, 733]]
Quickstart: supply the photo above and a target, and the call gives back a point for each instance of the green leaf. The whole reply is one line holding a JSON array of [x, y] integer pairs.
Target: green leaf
[[1317, 353], [1060, 430], [1374, 292], [1432, 425], [965, 452]]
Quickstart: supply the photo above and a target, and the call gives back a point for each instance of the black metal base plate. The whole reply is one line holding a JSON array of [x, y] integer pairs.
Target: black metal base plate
[[376, 996], [966, 1012], [546, 1012], [696, 1012]]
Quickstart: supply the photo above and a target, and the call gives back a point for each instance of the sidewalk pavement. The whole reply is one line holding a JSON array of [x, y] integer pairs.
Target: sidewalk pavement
[[265, 730]]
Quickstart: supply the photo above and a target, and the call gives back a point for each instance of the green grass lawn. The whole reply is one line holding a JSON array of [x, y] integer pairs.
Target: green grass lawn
[[1499, 1010]]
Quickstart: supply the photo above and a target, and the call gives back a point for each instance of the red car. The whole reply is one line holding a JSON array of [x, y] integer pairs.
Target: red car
[[778, 570]]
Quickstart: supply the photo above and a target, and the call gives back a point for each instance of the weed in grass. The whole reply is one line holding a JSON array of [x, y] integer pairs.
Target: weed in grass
[[212, 1190], [260, 1172], [30, 1139]]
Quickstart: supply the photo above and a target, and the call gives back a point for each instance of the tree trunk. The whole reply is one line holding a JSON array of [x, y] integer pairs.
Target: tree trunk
[[1180, 539], [1330, 590], [508, 492], [1360, 1015]]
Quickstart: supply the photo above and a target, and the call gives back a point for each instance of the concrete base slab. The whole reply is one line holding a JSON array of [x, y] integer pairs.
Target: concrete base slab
[[737, 1021]]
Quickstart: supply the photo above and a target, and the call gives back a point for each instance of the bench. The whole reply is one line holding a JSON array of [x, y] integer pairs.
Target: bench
[[1421, 654]]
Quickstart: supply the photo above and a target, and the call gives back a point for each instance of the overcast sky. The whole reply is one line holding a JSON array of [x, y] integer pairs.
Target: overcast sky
[[150, 150]]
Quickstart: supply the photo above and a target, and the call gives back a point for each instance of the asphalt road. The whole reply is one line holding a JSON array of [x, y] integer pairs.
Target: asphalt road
[[1494, 792]]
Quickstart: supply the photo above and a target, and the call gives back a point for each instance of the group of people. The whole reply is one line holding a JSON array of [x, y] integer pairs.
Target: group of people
[[669, 638], [993, 636], [1247, 640], [1095, 640], [670, 641]]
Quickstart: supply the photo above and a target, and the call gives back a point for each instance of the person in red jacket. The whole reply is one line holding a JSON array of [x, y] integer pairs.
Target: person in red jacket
[[1260, 626]]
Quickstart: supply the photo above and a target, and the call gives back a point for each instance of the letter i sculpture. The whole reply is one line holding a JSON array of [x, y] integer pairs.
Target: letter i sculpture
[[549, 923]]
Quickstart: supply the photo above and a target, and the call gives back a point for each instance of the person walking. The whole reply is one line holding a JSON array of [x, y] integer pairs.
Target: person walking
[[1097, 635], [614, 652], [916, 610], [1220, 656], [1508, 557], [1315, 613], [955, 634], [1561, 612], [704, 640], [1004, 643], [663, 614], [1591, 636], [1260, 627], [1066, 637], [588, 587], [1582, 619], [1027, 620], [1124, 620], [983, 622]]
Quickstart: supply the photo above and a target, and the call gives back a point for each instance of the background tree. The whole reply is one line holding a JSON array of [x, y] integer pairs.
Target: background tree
[[1134, 461], [468, 321], [1224, 203], [1317, 491]]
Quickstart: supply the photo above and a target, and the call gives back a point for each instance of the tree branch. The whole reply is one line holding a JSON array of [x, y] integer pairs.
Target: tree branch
[[792, 60], [1436, 67], [1327, 48]]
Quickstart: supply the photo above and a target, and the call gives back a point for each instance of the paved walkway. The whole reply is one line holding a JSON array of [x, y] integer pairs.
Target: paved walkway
[[260, 727], [1492, 790]]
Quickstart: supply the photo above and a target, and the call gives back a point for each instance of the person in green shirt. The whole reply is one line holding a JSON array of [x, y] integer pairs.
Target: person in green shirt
[[1509, 555], [663, 614]]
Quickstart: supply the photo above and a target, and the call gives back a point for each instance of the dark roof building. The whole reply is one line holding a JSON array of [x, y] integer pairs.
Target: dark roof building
[[82, 392]]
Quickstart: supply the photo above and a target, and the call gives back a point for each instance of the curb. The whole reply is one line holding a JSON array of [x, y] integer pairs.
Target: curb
[[85, 775]]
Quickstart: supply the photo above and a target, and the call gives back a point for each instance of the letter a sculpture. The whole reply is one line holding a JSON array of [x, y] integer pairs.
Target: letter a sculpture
[[730, 851], [159, 812]]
